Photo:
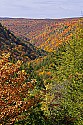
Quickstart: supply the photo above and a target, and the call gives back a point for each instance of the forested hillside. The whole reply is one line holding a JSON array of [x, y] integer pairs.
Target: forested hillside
[[19, 89], [19, 49], [46, 34], [46, 88]]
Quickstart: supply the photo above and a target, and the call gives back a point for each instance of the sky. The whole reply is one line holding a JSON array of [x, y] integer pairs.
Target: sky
[[41, 8]]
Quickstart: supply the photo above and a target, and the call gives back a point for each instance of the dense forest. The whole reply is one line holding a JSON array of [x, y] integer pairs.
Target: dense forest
[[41, 72]]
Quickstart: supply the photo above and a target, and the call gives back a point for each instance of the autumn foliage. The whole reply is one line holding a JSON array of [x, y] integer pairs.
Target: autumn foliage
[[46, 34], [14, 91], [39, 87]]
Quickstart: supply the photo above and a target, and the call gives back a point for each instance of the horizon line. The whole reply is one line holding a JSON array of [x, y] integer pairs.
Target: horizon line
[[38, 18]]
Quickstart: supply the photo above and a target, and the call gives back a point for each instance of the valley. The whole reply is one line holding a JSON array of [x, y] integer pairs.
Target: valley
[[41, 71]]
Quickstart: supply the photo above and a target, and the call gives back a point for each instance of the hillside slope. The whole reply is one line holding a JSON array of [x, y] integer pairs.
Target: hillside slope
[[46, 34], [18, 49], [62, 73], [48, 89]]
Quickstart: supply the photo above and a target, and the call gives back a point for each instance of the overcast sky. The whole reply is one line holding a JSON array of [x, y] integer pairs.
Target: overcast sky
[[41, 8]]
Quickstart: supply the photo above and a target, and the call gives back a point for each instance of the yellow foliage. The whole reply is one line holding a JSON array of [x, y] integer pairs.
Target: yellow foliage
[[41, 73]]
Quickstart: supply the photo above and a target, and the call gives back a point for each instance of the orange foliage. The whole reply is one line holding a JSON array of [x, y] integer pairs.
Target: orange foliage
[[13, 90], [45, 34]]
